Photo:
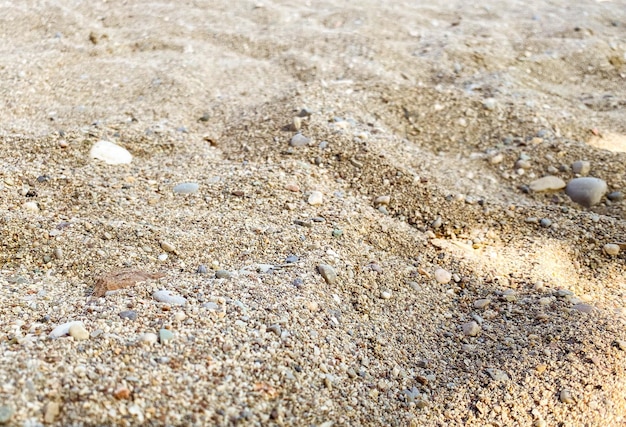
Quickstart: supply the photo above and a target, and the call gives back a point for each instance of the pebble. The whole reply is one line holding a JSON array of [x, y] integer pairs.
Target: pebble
[[78, 332], [385, 294], [6, 412], [443, 276], [165, 335], [167, 246], [328, 273], [498, 158], [611, 249], [31, 206], [566, 396], [211, 306], [179, 316], [110, 153], [128, 314], [482, 303], [583, 308], [547, 183], [292, 187], [489, 104], [63, 329], [148, 338], [162, 257], [299, 140], [581, 167], [58, 253], [291, 259], [52, 411], [316, 198], [586, 191], [222, 274], [202, 269], [615, 196], [471, 329], [186, 188], [167, 297], [497, 374], [545, 222], [382, 200]]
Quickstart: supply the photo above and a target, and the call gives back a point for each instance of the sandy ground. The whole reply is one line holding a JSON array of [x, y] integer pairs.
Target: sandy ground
[[462, 298]]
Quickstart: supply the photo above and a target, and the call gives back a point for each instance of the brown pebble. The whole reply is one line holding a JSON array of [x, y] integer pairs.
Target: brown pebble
[[121, 392]]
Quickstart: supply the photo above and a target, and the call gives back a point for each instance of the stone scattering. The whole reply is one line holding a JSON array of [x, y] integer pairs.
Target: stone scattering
[[587, 191]]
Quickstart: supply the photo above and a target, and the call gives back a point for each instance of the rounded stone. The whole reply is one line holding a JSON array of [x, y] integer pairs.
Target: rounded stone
[[169, 298], [316, 198], [471, 329], [148, 338], [328, 273], [581, 167], [78, 332], [611, 249], [128, 314], [110, 153], [299, 140], [442, 276], [587, 191]]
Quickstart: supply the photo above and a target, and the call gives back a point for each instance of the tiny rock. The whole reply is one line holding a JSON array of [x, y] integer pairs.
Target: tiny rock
[[167, 246], [442, 276], [187, 188], [587, 191], [382, 200], [78, 332], [611, 249], [547, 183], [52, 411], [110, 153], [169, 298], [316, 198], [299, 140], [328, 273], [566, 396], [471, 329]]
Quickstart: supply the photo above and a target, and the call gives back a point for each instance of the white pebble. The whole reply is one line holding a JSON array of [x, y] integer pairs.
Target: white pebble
[[167, 297], [110, 153], [31, 206], [385, 294], [316, 198], [611, 249], [78, 332], [442, 276], [148, 338], [63, 329], [547, 183], [180, 316]]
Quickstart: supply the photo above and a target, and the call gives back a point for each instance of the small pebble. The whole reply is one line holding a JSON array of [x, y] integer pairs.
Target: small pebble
[[186, 188], [497, 374], [162, 257], [167, 297], [58, 253], [6, 412], [167, 246], [545, 222], [78, 332], [385, 294], [128, 314], [583, 308], [498, 158], [316, 198], [382, 200], [566, 396], [110, 153], [211, 306], [442, 276], [611, 249], [63, 329], [202, 269], [489, 104], [581, 167], [482, 303], [165, 335], [52, 411], [586, 191], [471, 329], [328, 273], [615, 196], [299, 140], [31, 206], [179, 316], [547, 183], [291, 259], [222, 274], [292, 187], [148, 338]]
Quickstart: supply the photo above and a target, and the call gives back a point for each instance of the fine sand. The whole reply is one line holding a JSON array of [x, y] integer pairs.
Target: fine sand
[[459, 296]]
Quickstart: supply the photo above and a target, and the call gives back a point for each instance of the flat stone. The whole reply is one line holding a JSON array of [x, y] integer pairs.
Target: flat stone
[[128, 314], [382, 200], [167, 246], [78, 332], [328, 273], [587, 191], [471, 329], [186, 188], [222, 274], [583, 308], [169, 298], [110, 153], [482, 303], [497, 374], [547, 183]]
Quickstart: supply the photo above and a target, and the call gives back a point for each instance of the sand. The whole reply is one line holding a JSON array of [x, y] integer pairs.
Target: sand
[[460, 296]]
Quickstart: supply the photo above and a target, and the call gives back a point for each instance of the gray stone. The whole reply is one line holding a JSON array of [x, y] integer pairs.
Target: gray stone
[[6, 412], [615, 196], [471, 329], [187, 188], [586, 191], [128, 314], [202, 269], [328, 273], [299, 140], [497, 374], [547, 183], [581, 167], [222, 274]]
